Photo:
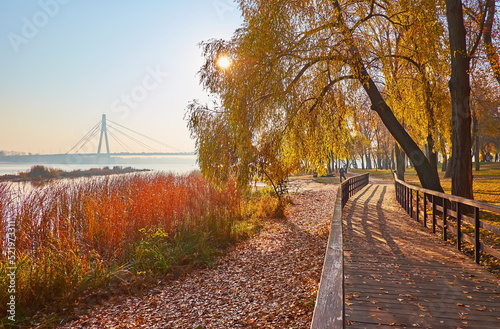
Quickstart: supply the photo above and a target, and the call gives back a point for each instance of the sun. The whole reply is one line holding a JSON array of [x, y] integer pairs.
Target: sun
[[224, 62]]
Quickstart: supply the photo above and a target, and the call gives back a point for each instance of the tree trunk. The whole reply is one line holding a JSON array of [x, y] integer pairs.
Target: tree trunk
[[393, 164], [461, 179], [448, 173], [362, 161], [428, 177], [444, 165], [432, 155], [400, 162], [475, 138]]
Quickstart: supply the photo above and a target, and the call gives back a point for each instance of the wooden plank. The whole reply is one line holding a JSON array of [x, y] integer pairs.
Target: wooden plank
[[376, 298], [419, 320]]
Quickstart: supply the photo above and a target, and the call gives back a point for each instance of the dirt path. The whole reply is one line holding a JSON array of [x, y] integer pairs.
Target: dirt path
[[269, 281]]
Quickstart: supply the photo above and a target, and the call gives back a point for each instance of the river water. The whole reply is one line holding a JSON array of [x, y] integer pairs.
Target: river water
[[179, 164]]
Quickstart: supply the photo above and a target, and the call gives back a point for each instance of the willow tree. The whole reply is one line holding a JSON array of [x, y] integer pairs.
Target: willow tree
[[294, 65], [415, 75]]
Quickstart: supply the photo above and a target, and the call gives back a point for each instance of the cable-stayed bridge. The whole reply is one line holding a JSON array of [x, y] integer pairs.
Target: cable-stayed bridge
[[89, 149], [124, 137]]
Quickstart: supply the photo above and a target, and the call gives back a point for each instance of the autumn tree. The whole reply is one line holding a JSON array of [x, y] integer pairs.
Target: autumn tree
[[365, 132], [297, 63], [221, 156], [485, 102]]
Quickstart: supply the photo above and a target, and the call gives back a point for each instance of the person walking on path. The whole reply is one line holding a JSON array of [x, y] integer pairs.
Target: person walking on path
[[341, 173]]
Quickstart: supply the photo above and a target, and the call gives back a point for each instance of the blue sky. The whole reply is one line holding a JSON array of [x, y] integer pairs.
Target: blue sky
[[63, 63]]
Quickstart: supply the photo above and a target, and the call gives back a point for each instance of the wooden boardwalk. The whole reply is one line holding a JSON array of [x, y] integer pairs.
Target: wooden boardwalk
[[398, 275]]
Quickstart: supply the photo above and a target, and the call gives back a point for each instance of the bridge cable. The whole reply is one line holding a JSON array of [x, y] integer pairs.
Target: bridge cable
[[122, 144], [91, 131], [133, 139], [95, 132], [152, 139]]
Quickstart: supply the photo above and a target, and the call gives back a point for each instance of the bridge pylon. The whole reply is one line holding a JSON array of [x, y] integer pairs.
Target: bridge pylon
[[104, 132]]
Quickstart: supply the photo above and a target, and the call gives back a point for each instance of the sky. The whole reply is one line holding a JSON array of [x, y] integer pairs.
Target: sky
[[64, 63]]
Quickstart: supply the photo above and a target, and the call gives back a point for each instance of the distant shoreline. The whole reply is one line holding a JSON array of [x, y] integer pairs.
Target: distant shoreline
[[75, 159], [40, 173]]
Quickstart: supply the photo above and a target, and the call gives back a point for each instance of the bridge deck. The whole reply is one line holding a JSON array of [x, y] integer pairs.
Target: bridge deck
[[399, 275]]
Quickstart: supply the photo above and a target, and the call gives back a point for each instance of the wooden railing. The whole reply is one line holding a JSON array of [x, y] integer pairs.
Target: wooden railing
[[448, 213], [329, 309]]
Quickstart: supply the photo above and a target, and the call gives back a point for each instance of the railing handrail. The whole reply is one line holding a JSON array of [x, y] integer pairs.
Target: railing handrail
[[329, 308], [469, 202]]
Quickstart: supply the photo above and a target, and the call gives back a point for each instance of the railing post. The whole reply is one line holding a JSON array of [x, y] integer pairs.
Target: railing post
[[400, 188], [403, 197], [400, 194], [401, 202], [477, 243], [459, 226], [425, 210], [411, 202], [396, 188], [406, 199], [445, 214], [417, 210], [397, 193], [433, 214]]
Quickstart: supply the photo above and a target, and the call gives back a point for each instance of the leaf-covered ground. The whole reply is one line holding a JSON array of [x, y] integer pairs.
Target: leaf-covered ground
[[269, 281]]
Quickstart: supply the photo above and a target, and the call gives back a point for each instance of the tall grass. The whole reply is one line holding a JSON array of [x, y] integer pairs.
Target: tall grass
[[71, 235]]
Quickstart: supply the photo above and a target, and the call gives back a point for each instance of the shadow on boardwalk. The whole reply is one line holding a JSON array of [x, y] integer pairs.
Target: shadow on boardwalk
[[398, 275]]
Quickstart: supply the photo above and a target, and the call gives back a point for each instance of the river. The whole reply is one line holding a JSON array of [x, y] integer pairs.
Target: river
[[176, 163]]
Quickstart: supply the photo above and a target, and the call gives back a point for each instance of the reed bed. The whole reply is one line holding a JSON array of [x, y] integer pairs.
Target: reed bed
[[73, 235]]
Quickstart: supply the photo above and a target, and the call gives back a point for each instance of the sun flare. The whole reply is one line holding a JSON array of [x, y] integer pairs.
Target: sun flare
[[224, 62]]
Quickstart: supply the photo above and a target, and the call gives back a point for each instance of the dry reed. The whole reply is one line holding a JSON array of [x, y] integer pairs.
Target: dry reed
[[71, 234]]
